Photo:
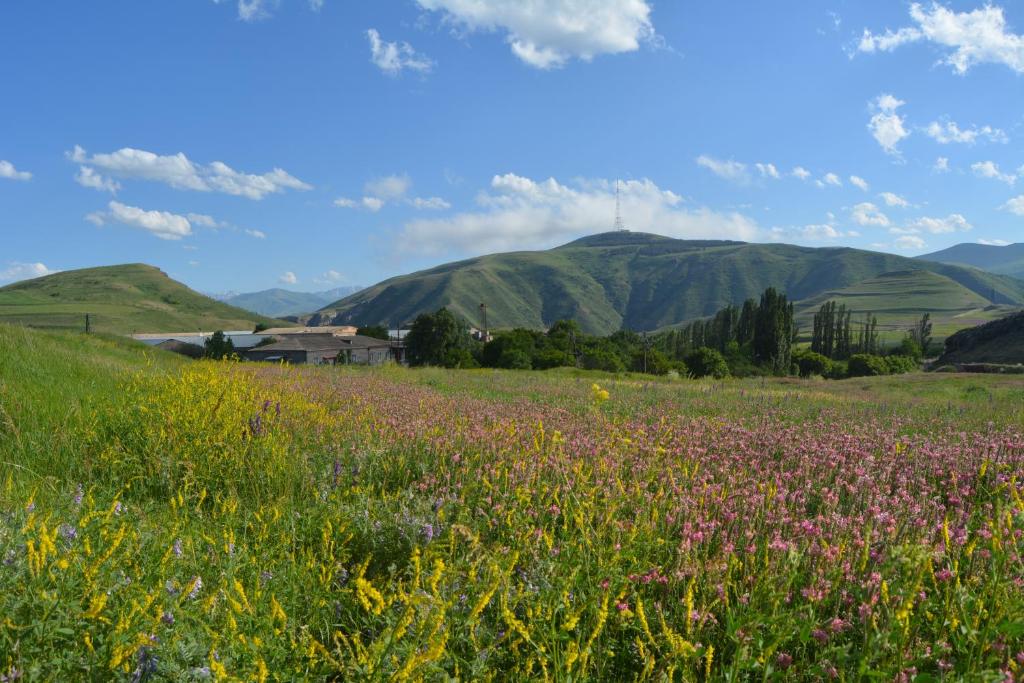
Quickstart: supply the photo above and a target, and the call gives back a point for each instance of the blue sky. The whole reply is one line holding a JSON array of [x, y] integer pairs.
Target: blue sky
[[245, 144]]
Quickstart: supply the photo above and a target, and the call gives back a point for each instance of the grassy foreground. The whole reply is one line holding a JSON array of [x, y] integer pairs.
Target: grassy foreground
[[213, 521]]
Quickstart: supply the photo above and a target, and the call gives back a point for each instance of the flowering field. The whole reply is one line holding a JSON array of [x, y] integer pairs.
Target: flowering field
[[231, 522]]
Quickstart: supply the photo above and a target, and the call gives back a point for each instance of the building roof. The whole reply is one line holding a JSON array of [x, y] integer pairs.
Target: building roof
[[184, 348], [193, 333], [345, 330], [323, 342]]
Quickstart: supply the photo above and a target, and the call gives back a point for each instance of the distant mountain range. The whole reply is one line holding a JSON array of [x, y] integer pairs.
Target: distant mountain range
[[1006, 260], [645, 282], [278, 302], [119, 299]]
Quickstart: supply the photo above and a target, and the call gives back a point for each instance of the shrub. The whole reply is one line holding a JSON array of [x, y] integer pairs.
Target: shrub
[[899, 365], [705, 362], [866, 365], [810, 363]]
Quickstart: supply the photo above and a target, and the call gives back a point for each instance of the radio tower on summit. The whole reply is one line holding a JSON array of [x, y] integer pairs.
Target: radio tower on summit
[[619, 225]]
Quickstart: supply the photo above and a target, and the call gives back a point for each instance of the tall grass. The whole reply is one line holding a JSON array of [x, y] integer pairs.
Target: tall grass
[[163, 521]]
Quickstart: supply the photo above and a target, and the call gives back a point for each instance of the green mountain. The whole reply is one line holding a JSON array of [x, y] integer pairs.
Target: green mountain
[[279, 302], [1005, 260], [121, 300], [900, 298], [635, 280]]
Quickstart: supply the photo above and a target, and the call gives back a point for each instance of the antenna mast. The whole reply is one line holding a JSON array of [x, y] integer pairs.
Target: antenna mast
[[619, 225]]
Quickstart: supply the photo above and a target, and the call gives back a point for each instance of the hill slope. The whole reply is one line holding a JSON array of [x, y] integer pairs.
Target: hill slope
[[119, 299], [1000, 341], [635, 280], [279, 302], [1006, 260], [900, 298]]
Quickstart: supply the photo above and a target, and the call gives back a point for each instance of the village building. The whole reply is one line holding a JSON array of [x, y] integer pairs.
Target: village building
[[327, 349]]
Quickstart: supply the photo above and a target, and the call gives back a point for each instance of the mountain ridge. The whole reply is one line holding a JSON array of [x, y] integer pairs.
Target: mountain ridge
[[1007, 259], [278, 302], [641, 281]]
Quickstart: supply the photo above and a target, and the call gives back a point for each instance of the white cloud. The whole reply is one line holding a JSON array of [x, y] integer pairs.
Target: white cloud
[[332, 276], [288, 278], [257, 10], [548, 33], [520, 212], [372, 203], [949, 132], [203, 220], [730, 170], [179, 172], [990, 169], [392, 58], [768, 171], [909, 242], [830, 179], [886, 125], [162, 224], [941, 165], [435, 203], [892, 199], [252, 10], [8, 171], [88, 177], [994, 243], [1015, 205], [24, 271], [801, 173], [867, 214], [976, 37], [346, 203], [388, 187], [258, 234], [940, 226], [859, 182]]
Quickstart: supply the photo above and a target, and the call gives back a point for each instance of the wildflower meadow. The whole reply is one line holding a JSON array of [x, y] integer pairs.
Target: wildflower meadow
[[164, 520]]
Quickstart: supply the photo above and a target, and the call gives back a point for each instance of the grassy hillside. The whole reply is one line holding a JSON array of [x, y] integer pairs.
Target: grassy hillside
[[1006, 260], [636, 280], [120, 300], [900, 298], [1000, 341]]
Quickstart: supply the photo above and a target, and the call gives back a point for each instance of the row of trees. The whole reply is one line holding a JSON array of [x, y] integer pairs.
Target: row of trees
[[757, 338]]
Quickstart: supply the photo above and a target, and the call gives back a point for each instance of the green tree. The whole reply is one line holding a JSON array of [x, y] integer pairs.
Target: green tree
[[922, 333], [440, 338], [375, 331], [774, 332], [218, 346], [705, 362]]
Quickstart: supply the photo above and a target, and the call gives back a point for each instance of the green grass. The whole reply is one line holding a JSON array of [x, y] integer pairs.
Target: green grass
[[638, 281], [162, 519], [121, 300], [899, 299]]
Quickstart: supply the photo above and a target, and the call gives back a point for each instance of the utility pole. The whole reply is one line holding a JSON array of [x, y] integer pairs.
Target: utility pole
[[87, 325], [619, 225], [646, 345]]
